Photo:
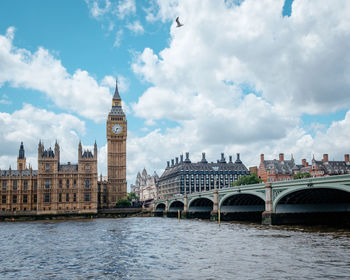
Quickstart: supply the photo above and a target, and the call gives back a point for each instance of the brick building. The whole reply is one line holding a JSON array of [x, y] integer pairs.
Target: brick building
[[282, 170]]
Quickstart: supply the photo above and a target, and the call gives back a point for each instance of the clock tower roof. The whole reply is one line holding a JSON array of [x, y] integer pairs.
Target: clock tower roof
[[117, 109], [116, 95]]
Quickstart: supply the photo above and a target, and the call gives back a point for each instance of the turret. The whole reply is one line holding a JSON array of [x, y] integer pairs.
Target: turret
[[95, 150], [21, 160], [80, 150]]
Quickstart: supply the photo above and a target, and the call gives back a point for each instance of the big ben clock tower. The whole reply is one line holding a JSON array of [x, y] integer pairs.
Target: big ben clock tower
[[116, 149]]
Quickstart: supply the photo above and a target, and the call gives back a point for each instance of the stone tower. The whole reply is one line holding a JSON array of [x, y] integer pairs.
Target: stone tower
[[21, 160], [116, 151]]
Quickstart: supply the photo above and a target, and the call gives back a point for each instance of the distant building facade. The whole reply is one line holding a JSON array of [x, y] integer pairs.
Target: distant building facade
[[282, 170], [146, 186], [184, 177], [54, 188]]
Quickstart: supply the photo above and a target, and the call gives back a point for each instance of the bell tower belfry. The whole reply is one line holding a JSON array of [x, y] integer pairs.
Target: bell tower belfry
[[116, 151]]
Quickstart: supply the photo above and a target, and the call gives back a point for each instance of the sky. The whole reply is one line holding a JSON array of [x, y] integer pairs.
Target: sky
[[248, 77]]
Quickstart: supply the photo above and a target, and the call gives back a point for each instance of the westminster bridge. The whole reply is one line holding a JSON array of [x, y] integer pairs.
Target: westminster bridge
[[311, 201]]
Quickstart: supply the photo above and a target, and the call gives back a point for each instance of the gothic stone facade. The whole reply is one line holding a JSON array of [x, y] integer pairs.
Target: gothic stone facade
[[54, 188], [146, 186], [186, 177], [57, 188]]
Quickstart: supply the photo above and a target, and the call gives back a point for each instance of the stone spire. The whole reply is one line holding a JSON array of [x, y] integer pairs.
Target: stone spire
[[21, 151], [116, 92]]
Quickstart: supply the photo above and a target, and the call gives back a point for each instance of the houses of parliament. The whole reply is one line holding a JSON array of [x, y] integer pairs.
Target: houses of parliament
[[56, 188]]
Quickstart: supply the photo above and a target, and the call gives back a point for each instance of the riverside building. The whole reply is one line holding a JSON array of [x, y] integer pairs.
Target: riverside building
[[57, 188], [184, 177]]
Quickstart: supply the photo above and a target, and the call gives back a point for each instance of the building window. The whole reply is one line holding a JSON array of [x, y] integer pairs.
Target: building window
[[35, 199], [25, 185], [60, 184], [47, 183], [35, 185], [4, 185], [104, 199], [87, 197], [87, 184], [74, 183], [67, 197], [59, 197], [25, 198], [14, 199], [46, 197], [87, 167], [3, 199], [74, 197], [47, 167], [67, 184], [15, 185]]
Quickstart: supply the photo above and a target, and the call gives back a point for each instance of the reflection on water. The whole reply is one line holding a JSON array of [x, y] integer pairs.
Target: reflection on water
[[159, 248]]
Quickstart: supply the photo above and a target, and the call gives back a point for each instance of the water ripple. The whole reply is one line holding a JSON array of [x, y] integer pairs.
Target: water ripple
[[159, 248]]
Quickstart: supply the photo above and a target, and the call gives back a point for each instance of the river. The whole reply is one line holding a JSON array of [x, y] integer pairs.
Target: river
[[165, 248]]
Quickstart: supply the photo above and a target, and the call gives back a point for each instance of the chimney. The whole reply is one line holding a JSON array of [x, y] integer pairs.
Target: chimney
[[262, 157], [303, 162], [203, 158], [187, 156], [181, 158], [168, 164], [172, 162], [325, 158], [281, 157], [176, 160], [346, 158], [230, 158]]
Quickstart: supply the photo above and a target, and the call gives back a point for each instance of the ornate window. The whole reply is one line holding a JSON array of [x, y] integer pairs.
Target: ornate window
[[87, 184], [47, 183], [3, 199], [67, 197], [15, 185], [67, 184], [4, 185], [47, 197], [25, 198], [25, 185], [87, 197]]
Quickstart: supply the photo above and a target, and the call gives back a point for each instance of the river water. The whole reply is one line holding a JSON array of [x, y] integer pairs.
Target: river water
[[165, 248]]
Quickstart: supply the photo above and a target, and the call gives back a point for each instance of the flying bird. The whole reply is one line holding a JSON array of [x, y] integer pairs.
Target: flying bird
[[178, 22]]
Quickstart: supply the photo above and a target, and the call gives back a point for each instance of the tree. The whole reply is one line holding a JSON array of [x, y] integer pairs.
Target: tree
[[248, 180], [132, 196], [301, 175], [122, 203]]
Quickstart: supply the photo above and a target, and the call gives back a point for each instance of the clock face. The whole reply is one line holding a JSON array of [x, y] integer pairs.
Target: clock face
[[117, 129]]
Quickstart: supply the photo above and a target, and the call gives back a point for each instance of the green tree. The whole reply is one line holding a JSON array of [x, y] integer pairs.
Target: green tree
[[132, 196], [248, 180], [301, 175], [122, 203]]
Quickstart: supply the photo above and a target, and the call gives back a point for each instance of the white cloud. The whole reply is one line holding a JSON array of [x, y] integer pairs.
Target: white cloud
[[78, 92], [30, 124], [98, 8], [118, 38], [135, 27], [126, 8]]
